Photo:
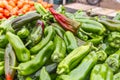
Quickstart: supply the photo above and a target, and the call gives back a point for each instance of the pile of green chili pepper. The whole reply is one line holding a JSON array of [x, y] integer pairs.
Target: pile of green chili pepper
[[58, 45]]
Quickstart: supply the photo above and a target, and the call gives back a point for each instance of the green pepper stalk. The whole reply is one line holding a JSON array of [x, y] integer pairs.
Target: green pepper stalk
[[1, 67], [36, 63], [10, 60], [113, 61], [101, 72], [60, 49], [44, 74], [102, 55], [116, 76], [49, 34], [114, 39], [73, 58], [22, 53], [70, 41], [83, 69]]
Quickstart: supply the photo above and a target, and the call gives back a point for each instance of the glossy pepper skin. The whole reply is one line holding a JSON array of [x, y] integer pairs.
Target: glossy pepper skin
[[113, 61], [10, 60], [1, 68], [111, 25], [114, 39], [116, 76], [83, 69], [101, 72], [59, 51], [73, 58], [49, 34], [22, 53], [70, 41], [40, 59], [3, 41], [44, 74], [92, 26]]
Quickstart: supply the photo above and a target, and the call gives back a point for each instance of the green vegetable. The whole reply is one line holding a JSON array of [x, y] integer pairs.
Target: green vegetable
[[25, 19], [117, 16], [113, 61], [116, 76], [60, 49], [101, 72], [10, 60], [114, 39], [3, 41], [73, 58], [1, 68], [34, 64], [102, 55], [49, 34], [111, 25], [83, 69], [44, 74], [70, 41], [2, 52], [23, 33], [22, 53]]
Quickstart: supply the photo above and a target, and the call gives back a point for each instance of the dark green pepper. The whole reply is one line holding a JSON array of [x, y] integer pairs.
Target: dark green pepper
[[22, 53], [83, 69], [23, 33], [40, 59], [10, 60], [3, 41], [2, 52], [101, 72], [111, 25], [44, 74], [73, 58], [114, 39], [116, 76], [70, 41], [60, 49], [1, 68], [113, 61], [49, 32]]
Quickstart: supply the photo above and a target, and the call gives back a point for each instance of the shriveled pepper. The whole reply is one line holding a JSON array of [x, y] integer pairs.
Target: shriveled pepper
[[101, 72], [114, 39], [1, 68], [44, 74], [70, 41], [83, 69], [22, 53], [60, 49], [113, 61], [73, 58], [36, 63], [111, 25], [10, 60], [49, 34]]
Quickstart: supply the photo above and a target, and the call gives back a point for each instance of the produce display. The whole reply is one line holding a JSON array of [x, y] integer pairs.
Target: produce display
[[49, 44]]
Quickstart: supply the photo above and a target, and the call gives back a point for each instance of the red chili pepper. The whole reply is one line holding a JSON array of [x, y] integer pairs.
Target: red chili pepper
[[65, 22], [8, 77]]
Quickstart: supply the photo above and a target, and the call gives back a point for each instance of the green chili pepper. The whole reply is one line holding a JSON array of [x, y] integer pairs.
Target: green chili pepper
[[111, 25], [113, 61], [83, 69], [73, 58], [10, 60], [22, 53], [44, 74], [101, 72], [116, 76], [2, 52], [49, 32], [23, 33], [3, 41], [114, 39], [70, 41], [60, 49], [1, 67], [31, 66]]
